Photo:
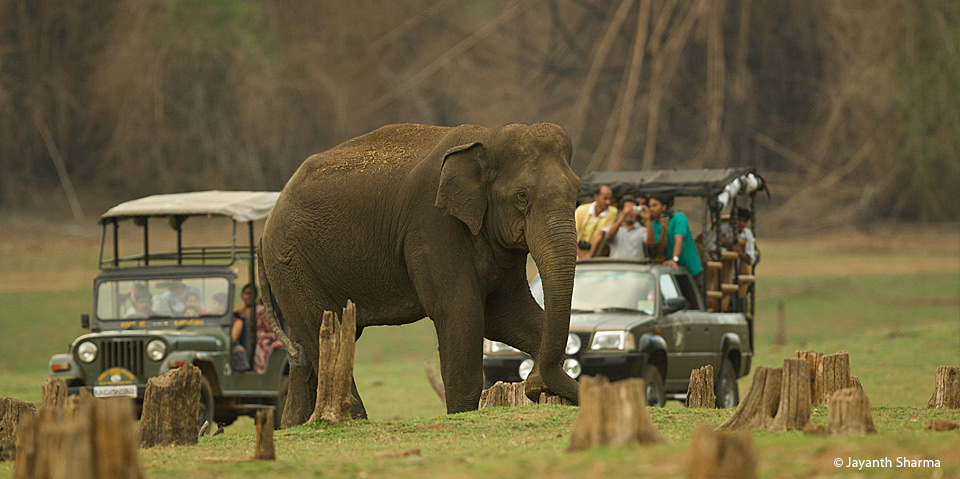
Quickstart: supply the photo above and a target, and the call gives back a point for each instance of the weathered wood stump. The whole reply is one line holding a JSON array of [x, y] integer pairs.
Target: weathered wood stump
[[335, 368], [700, 392], [780, 338], [12, 413], [264, 451], [97, 441], [793, 412], [612, 414], [850, 413], [946, 394], [171, 408], [828, 373], [53, 394], [512, 395], [717, 455], [759, 406]]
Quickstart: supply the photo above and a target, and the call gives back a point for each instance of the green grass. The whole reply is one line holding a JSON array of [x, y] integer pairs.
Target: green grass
[[897, 328]]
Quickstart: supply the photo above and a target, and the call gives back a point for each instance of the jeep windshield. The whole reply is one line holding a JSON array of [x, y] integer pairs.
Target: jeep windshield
[[162, 298], [608, 291]]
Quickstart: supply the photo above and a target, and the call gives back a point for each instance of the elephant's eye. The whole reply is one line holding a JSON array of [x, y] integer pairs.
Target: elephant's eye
[[522, 198]]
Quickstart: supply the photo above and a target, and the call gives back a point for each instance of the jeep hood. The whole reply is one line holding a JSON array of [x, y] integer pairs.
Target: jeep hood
[[589, 322]]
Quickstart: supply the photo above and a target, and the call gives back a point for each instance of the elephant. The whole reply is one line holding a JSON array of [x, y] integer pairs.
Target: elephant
[[414, 221]]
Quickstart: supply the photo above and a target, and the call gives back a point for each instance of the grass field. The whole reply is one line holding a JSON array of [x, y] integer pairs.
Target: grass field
[[890, 297]]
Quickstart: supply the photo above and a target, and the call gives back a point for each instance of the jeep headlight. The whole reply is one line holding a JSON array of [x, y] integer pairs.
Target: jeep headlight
[[87, 351], [573, 344], [613, 340], [525, 368], [156, 349]]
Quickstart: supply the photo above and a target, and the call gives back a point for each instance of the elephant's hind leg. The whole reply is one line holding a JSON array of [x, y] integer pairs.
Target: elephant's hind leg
[[301, 396]]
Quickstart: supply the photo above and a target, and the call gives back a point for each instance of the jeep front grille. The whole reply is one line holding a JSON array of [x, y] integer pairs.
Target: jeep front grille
[[122, 353]]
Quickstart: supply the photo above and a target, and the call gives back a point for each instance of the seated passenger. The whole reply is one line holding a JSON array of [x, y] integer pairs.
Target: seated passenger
[[671, 233], [140, 302], [174, 299], [748, 252], [266, 340]]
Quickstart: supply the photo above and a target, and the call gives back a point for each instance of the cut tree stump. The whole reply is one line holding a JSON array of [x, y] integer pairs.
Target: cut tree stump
[[513, 395], [53, 394], [700, 392], [612, 414], [335, 367], [171, 408], [718, 455], [759, 406], [12, 413], [946, 394], [97, 441], [829, 373], [264, 450], [793, 412], [850, 413]]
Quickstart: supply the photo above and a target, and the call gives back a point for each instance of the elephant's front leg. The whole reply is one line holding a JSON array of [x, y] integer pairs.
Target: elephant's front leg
[[460, 343]]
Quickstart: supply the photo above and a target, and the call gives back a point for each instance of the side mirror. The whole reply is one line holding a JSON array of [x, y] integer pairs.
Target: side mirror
[[85, 321], [675, 304]]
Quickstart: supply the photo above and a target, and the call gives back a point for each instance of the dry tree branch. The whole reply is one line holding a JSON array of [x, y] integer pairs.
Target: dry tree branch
[[632, 86], [578, 114], [444, 58]]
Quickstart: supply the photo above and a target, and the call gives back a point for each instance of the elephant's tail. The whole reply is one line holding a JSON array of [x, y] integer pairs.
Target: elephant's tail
[[294, 350]]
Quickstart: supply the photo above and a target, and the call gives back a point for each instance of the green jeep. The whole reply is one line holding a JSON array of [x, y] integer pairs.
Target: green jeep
[[171, 302]]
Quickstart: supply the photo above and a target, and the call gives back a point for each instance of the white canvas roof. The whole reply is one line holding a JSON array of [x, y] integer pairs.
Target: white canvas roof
[[241, 206]]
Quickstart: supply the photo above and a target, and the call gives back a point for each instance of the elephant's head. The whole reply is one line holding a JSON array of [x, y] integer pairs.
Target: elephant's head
[[515, 184]]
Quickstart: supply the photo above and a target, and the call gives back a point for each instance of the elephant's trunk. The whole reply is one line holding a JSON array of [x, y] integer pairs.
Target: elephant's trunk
[[553, 246]]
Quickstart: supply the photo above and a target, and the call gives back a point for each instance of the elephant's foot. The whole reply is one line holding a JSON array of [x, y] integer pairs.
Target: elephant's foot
[[552, 381]]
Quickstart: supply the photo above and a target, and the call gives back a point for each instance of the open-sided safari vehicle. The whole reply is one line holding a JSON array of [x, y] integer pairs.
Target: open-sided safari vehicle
[[171, 302], [633, 318]]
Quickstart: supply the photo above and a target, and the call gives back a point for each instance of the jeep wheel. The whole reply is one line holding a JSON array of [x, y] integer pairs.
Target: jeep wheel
[[728, 395], [656, 396], [206, 403]]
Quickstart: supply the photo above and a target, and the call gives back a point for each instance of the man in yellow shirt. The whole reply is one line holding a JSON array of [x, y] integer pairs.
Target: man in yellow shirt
[[594, 216]]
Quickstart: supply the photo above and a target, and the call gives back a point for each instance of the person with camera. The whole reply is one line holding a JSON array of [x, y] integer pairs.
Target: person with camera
[[626, 237], [592, 217], [677, 244]]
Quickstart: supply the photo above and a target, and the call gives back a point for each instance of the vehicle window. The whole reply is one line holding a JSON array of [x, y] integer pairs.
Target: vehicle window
[[607, 291], [668, 289], [687, 288], [162, 298]]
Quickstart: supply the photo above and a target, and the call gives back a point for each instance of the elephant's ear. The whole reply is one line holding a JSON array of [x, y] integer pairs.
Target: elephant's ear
[[462, 192]]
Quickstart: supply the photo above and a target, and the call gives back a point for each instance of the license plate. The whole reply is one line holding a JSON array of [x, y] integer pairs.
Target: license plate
[[115, 391]]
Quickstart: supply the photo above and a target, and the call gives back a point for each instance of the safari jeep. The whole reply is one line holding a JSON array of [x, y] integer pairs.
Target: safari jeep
[[633, 318], [171, 302]]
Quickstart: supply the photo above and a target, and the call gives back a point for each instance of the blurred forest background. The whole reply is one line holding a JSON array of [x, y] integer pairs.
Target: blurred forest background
[[851, 109]]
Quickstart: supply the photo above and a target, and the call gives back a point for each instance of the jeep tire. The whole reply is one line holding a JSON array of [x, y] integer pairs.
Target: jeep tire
[[656, 395]]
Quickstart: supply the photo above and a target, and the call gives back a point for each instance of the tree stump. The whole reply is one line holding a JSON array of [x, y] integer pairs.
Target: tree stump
[[264, 450], [171, 408], [850, 413], [717, 455], [759, 406], [512, 395], [828, 373], [612, 414], [700, 392], [780, 338], [54, 394], [793, 412], [946, 394], [97, 441], [12, 413], [335, 368], [504, 394]]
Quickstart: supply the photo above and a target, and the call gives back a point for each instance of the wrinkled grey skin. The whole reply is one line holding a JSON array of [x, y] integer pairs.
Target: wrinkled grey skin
[[413, 221]]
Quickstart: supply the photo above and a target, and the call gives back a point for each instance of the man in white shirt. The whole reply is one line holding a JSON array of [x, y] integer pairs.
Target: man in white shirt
[[626, 235]]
